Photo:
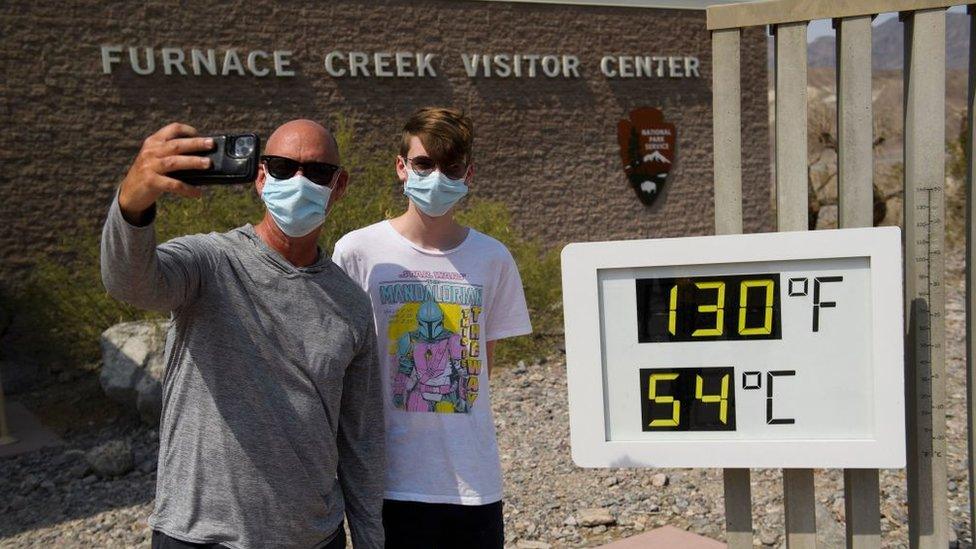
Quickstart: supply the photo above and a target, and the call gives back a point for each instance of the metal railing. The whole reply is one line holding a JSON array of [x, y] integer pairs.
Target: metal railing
[[924, 231]]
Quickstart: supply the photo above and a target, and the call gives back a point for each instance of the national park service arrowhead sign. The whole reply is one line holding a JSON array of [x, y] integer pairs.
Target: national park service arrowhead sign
[[647, 151]]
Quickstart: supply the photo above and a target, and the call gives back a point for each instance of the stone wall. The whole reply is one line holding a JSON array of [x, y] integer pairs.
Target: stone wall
[[546, 146]]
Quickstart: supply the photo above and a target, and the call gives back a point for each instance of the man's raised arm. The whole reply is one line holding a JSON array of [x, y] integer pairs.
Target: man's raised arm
[[134, 269]]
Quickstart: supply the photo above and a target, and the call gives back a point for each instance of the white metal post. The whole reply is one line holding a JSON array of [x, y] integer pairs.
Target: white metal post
[[792, 215], [855, 167], [727, 169]]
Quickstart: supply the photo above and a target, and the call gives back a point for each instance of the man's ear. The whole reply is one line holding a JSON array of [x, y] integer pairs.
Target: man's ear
[[470, 176], [339, 188], [259, 182]]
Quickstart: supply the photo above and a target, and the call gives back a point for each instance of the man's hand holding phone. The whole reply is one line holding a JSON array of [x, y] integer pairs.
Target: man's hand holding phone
[[168, 150]]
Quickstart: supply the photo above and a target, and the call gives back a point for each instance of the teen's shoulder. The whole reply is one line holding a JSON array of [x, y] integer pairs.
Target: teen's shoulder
[[362, 234], [489, 246], [360, 241]]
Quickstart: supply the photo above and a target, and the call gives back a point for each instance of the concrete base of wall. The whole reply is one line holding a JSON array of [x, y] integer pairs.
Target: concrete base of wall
[[27, 433]]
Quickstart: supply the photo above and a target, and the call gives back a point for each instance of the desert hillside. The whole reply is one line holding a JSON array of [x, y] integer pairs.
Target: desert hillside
[[887, 102]]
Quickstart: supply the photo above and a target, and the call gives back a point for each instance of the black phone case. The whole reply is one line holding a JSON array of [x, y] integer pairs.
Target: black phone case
[[224, 168]]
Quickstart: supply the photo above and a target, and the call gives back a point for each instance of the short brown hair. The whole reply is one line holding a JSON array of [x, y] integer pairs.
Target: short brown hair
[[445, 133]]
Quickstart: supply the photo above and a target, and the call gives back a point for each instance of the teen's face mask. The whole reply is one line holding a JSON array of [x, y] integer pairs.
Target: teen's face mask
[[296, 204], [435, 193]]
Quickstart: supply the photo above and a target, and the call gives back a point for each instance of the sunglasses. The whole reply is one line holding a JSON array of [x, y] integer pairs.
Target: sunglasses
[[320, 173], [424, 166]]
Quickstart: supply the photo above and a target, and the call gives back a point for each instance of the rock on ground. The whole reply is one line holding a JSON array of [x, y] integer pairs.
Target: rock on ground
[[133, 365], [595, 517], [112, 459]]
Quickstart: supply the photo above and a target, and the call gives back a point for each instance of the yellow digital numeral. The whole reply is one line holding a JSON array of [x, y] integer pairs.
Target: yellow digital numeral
[[722, 398], [718, 309], [767, 326], [673, 311], [665, 399]]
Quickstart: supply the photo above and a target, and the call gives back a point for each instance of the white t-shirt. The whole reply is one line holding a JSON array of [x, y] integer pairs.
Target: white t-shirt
[[435, 311]]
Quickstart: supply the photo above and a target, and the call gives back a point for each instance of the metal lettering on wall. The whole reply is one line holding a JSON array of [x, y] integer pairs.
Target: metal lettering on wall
[[647, 149], [355, 64]]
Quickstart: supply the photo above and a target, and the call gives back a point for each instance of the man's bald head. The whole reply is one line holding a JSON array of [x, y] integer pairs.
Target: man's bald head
[[305, 141]]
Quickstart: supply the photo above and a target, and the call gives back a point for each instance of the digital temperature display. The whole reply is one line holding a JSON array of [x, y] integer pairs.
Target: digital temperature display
[[689, 399], [708, 308], [742, 351]]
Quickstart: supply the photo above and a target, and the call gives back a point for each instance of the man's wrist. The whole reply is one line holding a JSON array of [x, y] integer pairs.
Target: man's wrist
[[135, 217]]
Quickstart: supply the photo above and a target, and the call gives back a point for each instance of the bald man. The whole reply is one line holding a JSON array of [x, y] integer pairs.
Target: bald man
[[272, 421]]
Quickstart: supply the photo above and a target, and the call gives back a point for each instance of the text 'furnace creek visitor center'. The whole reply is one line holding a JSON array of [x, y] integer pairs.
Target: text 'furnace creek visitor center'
[[593, 120]]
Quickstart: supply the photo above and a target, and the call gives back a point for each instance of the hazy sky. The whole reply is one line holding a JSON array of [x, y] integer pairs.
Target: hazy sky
[[823, 28]]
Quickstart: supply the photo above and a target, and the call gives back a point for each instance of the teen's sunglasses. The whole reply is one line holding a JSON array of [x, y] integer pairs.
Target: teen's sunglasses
[[320, 173], [425, 165]]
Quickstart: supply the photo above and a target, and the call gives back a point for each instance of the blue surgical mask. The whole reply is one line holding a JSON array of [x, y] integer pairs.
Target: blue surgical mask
[[296, 204], [434, 193]]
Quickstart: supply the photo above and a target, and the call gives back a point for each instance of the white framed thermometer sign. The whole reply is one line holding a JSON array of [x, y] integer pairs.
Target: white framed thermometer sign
[[761, 350]]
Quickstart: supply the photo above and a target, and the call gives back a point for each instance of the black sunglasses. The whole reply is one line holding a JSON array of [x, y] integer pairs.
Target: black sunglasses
[[424, 165], [320, 173]]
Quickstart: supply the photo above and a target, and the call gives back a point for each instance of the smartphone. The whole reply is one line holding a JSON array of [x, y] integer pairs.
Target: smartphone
[[233, 159]]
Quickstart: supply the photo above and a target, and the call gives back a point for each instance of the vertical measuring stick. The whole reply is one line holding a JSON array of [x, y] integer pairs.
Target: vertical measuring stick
[[924, 282], [970, 270]]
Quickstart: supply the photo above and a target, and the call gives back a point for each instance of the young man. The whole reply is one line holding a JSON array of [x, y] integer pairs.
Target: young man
[[442, 295]]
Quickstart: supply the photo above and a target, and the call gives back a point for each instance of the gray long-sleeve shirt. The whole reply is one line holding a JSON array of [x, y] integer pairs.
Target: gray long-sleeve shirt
[[272, 422]]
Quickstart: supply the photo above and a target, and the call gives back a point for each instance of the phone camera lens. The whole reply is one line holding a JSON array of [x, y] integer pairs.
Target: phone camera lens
[[243, 146]]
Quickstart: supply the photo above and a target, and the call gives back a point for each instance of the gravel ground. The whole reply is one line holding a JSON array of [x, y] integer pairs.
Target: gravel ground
[[51, 498]]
